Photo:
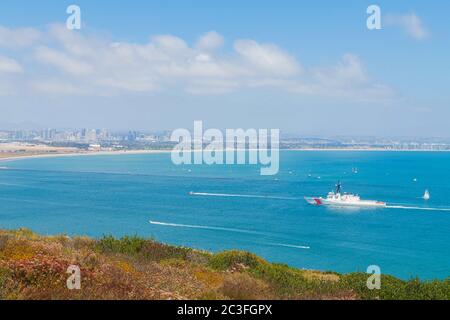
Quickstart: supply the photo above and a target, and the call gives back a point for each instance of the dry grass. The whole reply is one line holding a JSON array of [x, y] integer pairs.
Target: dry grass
[[316, 275], [242, 286], [34, 267]]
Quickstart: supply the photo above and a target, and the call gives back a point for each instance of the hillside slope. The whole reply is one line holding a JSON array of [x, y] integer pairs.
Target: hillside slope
[[34, 267]]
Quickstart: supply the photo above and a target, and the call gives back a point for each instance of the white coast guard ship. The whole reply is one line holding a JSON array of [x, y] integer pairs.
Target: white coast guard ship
[[338, 198]]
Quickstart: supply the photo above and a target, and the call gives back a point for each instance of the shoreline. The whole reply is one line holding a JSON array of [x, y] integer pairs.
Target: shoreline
[[79, 154], [161, 151]]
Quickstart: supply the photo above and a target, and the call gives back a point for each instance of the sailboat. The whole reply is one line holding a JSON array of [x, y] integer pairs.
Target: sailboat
[[426, 195]]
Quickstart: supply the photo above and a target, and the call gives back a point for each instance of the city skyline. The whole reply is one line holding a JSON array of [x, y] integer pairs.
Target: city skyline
[[293, 66], [103, 139]]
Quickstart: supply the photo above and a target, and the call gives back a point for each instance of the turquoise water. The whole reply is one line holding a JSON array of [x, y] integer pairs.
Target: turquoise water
[[119, 195]]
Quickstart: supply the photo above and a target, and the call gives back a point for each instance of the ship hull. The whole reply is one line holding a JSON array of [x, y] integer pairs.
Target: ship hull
[[340, 203]]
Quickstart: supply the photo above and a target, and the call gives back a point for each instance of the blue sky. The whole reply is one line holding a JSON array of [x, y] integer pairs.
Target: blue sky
[[327, 75]]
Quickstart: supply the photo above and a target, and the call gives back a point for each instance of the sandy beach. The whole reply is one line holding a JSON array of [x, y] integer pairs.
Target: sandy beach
[[13, 157], [5, 157]]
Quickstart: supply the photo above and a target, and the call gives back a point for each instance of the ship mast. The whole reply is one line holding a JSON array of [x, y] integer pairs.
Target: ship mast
[[338, 187]]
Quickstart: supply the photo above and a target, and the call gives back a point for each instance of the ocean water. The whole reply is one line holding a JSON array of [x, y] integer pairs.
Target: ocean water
[[233, 207]]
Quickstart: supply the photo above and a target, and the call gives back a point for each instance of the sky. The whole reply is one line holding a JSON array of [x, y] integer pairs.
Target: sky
[[305, 67]]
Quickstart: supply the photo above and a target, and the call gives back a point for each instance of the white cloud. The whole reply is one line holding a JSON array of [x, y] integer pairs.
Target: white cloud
[[210, 41], [8, 65], [70, 62], [62, 61], [267, 58], [170, 45], [18, 38], [346, 79], [410, 23], [10, 70], [56, 87]]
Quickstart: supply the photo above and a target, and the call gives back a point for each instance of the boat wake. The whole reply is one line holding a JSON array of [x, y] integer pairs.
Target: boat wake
[[177, 225], [227, 195], [417, 208], [290, 246]]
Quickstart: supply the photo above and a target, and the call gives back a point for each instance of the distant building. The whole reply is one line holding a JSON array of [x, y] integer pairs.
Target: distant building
[[95, 147], [91, 136]]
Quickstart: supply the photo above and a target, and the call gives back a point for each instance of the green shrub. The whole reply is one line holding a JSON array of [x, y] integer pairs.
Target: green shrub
[[436, 290], [396, 289], [25, 233], [155, 251], [284, 280], [145, 248], [126, 245], [231, 259], [4, 274]]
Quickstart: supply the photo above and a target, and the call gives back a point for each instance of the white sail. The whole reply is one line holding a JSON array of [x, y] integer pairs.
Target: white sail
[[426, 195]]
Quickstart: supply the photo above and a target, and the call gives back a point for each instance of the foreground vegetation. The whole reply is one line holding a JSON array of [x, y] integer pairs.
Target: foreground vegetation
[[34, 267]]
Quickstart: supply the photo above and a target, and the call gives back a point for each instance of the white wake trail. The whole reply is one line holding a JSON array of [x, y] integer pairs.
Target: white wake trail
[[177, 225], [205, 194], [290, 246], [417, 208]]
